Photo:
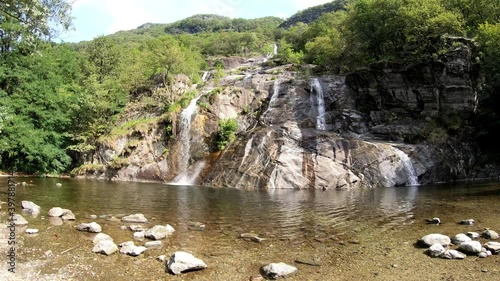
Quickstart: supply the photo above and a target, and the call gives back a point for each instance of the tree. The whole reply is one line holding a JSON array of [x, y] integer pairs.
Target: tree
[[24, 22]]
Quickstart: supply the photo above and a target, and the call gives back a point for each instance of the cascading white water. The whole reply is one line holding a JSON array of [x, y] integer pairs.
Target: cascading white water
[[408, 167], [205, 76], [274, 97], [275, 49], [190, 176], [184, 140], [320, 99]]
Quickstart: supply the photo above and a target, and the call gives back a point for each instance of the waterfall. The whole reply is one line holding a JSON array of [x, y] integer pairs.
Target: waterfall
[[320, 119], [274, 97], [190, 176], [184, 140], [408, 167], [275, 49], [204, 78]]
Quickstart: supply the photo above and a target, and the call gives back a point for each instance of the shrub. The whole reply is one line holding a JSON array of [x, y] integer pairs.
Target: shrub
[[226, 133]]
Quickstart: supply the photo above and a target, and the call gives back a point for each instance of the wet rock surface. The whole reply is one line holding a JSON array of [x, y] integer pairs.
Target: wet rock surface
[[181, 262]]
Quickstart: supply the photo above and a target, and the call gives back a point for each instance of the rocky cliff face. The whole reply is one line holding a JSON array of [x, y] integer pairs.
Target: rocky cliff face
[[376, 127]]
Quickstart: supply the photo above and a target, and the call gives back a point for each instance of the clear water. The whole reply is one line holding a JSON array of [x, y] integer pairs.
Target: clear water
[[295, 224]]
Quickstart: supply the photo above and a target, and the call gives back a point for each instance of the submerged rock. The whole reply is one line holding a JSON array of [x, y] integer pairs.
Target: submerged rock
[[30, 207], [434, 238], [136, 218], [58, 184], [89, 227], [181, 262], [134, 227], [198, 226], [19, 220], [106, 247], [277, 270], [56, 212], [55, 221], [252, 237]]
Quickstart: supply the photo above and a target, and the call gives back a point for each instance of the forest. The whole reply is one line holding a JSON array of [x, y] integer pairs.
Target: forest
[[58, 99]]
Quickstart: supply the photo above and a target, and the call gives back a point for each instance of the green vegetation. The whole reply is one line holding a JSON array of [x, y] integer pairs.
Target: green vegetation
[[226, 133], [62, 100]]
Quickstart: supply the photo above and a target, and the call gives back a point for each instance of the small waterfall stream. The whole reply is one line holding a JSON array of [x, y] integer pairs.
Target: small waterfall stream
[[274, 97], [408, 167], [205, 76], [320, 99], [275, 49], [184, 140]]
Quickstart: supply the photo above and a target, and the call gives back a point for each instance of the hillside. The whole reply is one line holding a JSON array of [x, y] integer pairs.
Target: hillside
[[311, 14]]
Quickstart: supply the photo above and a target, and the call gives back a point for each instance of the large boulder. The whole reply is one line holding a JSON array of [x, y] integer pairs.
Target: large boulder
[[460, 238], [490, 234], [494, 247], [101, 237]]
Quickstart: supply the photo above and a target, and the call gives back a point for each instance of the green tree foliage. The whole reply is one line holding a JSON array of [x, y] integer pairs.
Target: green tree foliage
[[475, 12], [24, 22], [39, 110], [488, 38]]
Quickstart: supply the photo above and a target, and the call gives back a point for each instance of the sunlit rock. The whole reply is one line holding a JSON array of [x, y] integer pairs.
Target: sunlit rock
[[467, 222], [106, 247], [31, 231], [434, 238], [101, 237], [30, 207], [153, 244], [68, 215], [158, 232], [460, 238], [473, 235], [435, 250], [494, 247], [181, 262], [453, 255], [56, 212], [490, 234], [89, 227], [19, 220], [277, 270], [471, 247]]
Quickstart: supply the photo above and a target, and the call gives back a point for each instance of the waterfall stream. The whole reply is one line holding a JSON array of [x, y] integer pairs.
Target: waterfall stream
[[184, 140], [408, 167], [274, 97], [320, 100], [205, 76]]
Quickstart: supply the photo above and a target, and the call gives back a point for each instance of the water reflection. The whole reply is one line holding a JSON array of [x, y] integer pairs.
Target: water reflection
[[288, 214]]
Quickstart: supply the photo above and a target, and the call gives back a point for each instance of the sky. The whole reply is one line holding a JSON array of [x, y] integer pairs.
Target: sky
[[92, 18]]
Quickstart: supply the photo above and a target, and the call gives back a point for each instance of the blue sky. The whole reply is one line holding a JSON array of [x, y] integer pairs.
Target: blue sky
[[93, 18]]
